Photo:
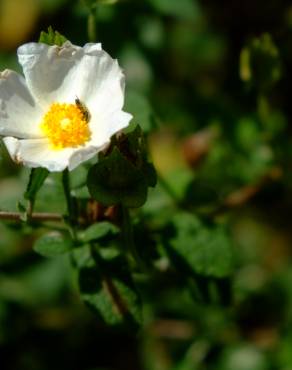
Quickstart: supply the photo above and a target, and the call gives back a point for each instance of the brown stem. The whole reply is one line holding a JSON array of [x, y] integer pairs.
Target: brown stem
[[16, 216]]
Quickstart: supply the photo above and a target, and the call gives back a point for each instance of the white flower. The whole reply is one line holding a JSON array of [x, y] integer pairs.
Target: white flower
[[66, 108]]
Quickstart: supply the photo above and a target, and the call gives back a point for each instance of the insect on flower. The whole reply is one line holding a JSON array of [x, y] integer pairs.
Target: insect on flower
[[66, 107], [83, 109]]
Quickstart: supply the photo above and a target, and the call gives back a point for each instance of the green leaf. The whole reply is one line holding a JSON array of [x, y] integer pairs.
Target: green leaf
[[99, 230], [134, 146], [52, 37], [108, 289], [53, 244], [36, 180], [22, 210], [150, 174], [115, 180], [203, 250]]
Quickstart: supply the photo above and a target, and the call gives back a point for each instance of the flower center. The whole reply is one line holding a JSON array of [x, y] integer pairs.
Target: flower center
[[66, 125]]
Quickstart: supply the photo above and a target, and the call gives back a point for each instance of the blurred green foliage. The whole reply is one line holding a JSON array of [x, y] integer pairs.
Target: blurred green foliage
[[209, 84]]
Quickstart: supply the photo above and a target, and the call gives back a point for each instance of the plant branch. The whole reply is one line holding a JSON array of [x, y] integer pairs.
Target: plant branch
[[67, 192], [129, 237], [37, 216], [69, 202]]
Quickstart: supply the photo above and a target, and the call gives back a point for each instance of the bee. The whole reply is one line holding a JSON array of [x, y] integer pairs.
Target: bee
[[83, 109]]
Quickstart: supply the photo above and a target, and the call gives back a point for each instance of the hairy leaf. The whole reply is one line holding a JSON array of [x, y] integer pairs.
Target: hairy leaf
[[204, 250], [107, 288], [115, 180]]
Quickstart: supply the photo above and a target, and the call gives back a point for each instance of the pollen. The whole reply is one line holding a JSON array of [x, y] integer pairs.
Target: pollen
[[66, 126]]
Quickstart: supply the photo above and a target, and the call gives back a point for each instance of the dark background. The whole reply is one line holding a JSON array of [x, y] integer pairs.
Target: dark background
[[224, 147]]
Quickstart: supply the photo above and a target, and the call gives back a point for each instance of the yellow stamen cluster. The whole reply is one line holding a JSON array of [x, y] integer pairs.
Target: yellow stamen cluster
[[65, 125]]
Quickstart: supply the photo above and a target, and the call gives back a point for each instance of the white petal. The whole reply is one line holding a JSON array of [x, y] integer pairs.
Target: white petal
[[50, 71], [118, 121], [37, 153], [101, 84], [19, 114], [63, 73], [91, 48], [12, 147], [103, 127], [82, 155]]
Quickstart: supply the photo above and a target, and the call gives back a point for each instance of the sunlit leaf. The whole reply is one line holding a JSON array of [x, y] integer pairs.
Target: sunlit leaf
[[52, 37], [53, 244], [99, 230]]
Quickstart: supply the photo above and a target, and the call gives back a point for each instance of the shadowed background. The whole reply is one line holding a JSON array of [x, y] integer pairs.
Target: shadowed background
[[213, 96]]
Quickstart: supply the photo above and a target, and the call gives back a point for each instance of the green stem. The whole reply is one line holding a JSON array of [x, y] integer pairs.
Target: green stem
[[30, 208], [129, 236], [91, 24], [67, 192], [69, 202]]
